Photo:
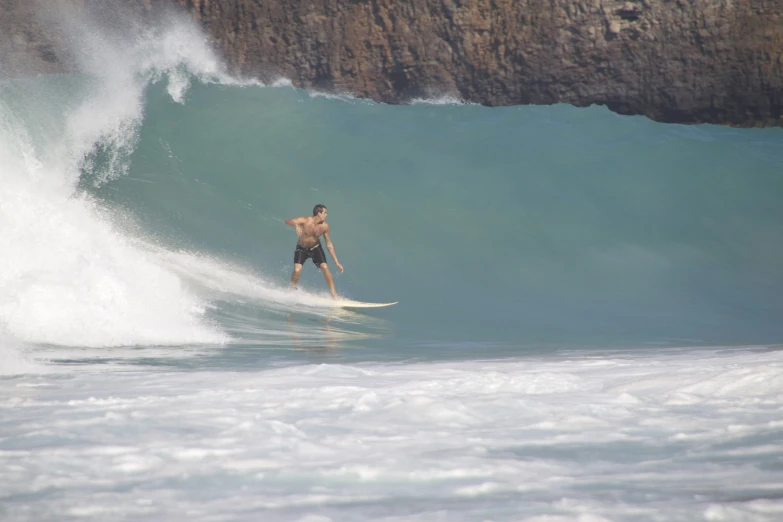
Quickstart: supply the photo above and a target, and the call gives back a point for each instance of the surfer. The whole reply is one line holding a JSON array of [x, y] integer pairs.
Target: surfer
[[310, 229]]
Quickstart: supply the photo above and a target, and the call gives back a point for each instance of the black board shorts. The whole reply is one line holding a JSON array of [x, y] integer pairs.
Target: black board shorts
[[316, 253]]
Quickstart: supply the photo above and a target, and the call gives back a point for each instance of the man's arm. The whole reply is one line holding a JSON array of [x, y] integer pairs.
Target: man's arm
[[297, 222], [330, 248]]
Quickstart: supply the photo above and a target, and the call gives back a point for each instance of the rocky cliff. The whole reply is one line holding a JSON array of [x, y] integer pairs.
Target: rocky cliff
[[715, 61]]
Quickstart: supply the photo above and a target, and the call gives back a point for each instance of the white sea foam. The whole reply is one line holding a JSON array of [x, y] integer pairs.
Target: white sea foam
[[282, 82], [346, 97], [14, 358], [527, 439], [68, 276], [442, 99]]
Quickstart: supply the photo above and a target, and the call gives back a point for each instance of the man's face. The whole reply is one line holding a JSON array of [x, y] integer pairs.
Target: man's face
[[322, 215]]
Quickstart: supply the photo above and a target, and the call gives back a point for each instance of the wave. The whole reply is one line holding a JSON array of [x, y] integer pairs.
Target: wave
[[143, 198], [517, 223], [70, 273]]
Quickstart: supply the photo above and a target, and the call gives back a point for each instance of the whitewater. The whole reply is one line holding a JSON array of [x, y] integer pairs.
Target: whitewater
[[588, 326]]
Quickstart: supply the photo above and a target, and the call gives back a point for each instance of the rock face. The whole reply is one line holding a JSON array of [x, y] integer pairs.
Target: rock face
[[25, 44], [717, 61]]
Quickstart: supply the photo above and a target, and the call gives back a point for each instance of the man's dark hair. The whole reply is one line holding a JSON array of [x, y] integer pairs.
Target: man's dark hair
[[317, 209]]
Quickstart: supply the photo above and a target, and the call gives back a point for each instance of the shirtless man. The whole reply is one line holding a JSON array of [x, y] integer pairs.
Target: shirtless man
[[310, 229]]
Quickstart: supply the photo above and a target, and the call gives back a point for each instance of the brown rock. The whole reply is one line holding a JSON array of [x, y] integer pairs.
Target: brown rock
[[673, 60]]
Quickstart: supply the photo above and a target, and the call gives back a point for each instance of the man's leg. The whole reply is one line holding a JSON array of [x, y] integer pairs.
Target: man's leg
[[329, 280], [295, 274]]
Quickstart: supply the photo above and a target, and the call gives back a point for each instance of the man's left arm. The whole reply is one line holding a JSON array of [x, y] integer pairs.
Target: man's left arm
[[330, 248]]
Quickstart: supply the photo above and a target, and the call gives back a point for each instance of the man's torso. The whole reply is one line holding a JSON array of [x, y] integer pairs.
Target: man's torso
[[311, 231]]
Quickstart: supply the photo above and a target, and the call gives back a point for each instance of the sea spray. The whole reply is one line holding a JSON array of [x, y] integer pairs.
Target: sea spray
[[68, 274]]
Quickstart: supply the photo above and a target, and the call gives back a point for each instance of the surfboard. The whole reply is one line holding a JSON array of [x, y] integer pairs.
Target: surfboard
[[359, 304]]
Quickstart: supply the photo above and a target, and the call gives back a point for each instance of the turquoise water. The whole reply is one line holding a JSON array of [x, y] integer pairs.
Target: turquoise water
[[512, 225], [588, 326]]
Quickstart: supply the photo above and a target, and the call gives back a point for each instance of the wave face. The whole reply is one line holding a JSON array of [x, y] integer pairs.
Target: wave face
[[534, 224], [143, 199]]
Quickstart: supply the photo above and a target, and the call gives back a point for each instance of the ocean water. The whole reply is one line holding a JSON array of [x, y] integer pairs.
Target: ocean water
[[588, 328]]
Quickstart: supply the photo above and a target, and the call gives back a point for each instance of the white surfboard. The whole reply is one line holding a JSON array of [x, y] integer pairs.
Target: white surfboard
[[358, 304]]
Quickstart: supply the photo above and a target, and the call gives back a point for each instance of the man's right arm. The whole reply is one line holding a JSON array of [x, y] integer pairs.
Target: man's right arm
[[296, 222]]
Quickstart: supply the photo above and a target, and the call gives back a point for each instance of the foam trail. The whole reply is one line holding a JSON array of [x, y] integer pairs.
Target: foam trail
[[234, 284], [68, 276], [232, 281]]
